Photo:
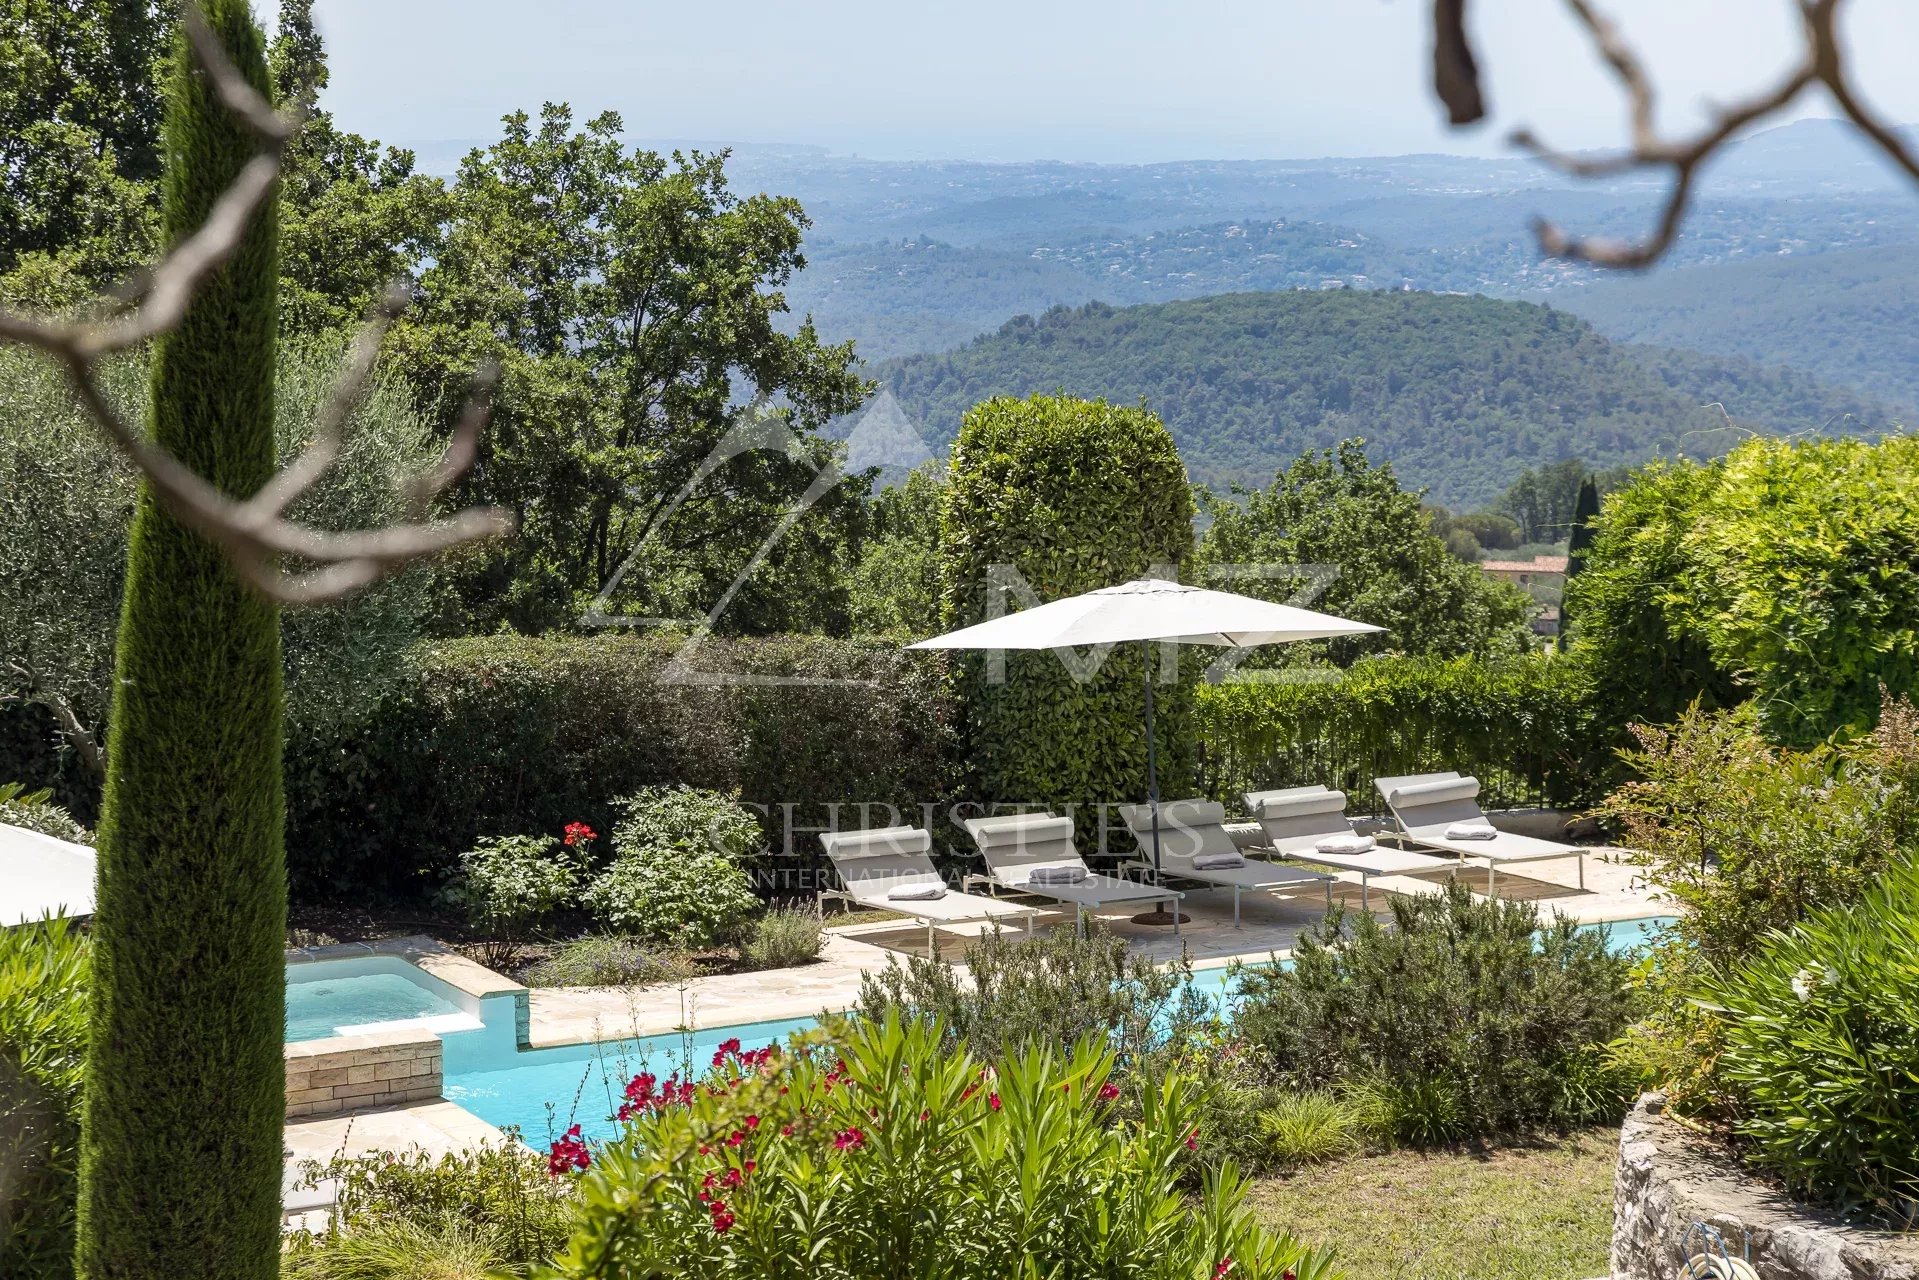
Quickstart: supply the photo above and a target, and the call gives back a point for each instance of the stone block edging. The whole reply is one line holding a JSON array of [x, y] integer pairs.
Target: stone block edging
[[1668, 1178]]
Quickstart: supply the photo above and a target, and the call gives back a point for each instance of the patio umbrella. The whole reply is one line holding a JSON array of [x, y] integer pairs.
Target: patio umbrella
[[1149, 610]]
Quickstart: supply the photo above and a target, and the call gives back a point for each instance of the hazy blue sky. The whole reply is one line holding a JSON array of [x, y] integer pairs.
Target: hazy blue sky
[[1065, 79]]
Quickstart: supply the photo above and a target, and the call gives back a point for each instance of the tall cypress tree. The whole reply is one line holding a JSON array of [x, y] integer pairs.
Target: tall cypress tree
[[1582, 537], [180, 1145]]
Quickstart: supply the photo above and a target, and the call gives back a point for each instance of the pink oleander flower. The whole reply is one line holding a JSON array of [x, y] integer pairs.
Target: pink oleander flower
[[568, 1154], [847, 1139]]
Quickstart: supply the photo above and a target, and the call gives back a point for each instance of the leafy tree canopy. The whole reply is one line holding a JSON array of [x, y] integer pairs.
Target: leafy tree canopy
[[630, 298], [1333, 518]]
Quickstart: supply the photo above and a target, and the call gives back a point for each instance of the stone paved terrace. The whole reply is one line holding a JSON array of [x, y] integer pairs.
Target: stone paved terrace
[[1269, 924]]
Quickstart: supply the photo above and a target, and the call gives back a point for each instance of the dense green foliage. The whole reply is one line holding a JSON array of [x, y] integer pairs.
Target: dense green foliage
[[412, 1216], [43, 1041], [896, 586], [905, 1157], [1821, 1050], [1464, 1017], [628, 316], [675, 877], [1070, 495], [1461, 393], [79, 138], [1523, 727], [1343, 538], [1782, 571], [1752, 838], [180, 1148], [35, 811], [444, 761], [508, 884], [1055, 989], [66, 507]]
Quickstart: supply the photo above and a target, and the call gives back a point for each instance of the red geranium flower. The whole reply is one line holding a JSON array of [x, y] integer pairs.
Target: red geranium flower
[[578, 833]]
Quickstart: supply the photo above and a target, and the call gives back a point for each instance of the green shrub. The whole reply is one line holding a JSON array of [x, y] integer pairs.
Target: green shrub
[[1054, 989], [1750, 837], [1782, 570], [446, 759], [43, 1041], [35, 811], [1821, 1050], [451, 1250], [1456, 1001], [602, 960], [675, 877], [1524, 727], [783, 938], [1074, 495], [907, 1157], [493, 1202], [509, 884], [1308, 1127]]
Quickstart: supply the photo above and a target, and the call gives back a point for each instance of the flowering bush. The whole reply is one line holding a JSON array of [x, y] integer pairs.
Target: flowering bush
[[508, 885], [893, 1154], [675, 877]]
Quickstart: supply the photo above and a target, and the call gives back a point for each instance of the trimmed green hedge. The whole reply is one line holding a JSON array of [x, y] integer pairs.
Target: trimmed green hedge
[[1075, 495], [1525, 728], [503, 735]]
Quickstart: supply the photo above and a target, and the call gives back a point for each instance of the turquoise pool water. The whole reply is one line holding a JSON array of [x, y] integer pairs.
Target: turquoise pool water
[[544, 1091], [325, 995]]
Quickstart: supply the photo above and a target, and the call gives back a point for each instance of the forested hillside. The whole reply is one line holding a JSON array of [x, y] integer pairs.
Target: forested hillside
[[1460, 393], [1849, 318]]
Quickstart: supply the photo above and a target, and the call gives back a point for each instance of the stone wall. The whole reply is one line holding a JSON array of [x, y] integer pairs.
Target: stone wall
[[355, 1073], [1668, 1178]]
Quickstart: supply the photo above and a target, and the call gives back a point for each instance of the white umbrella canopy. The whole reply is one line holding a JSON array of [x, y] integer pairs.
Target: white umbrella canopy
[[1149, 610]]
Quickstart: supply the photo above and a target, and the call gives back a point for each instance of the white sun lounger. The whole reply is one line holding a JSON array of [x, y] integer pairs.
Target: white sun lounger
[[1192, 829], [1019, 844], [873, 865], [1296, 819], [1424, 805]]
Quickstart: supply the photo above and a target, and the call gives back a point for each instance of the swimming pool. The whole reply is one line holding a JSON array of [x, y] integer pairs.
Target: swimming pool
[[341, 996], [542, 1092]]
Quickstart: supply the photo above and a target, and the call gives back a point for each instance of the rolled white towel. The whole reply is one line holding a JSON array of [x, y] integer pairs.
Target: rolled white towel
[[1218, 862], [1348, 845], [1056, 875], [1471, 831], [917, 893]]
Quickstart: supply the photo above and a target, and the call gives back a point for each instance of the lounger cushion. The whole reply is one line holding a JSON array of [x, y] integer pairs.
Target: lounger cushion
[[1417, 794], [1057, 875], [1268, 804], [1471, 831], [875, 843], [1174, 815], [917, 893], [1348, 844], [1218, 862], [1020, 829]]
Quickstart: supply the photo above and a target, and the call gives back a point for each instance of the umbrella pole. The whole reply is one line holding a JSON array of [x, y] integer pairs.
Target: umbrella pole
[[1152, 762], [1160, 915]]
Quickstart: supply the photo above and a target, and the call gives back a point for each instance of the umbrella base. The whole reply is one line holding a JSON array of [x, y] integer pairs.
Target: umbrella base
[[1162, 916]]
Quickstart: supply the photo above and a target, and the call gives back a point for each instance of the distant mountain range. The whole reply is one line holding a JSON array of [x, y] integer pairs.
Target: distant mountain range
[[1461, 394]]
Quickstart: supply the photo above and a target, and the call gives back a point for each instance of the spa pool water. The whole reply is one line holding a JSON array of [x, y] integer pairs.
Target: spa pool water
[[326, 995]]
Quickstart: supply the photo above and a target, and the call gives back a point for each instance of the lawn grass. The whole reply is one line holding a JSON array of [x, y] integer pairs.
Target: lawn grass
[[1536, 1212]]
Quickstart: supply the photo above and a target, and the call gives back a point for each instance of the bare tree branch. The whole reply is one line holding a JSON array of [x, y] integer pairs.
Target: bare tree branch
[[1455, 70], [73, 730], [1821, 64], [258, 539]]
